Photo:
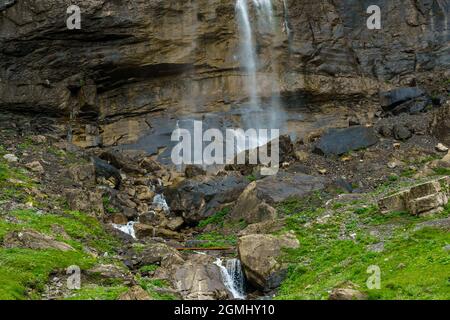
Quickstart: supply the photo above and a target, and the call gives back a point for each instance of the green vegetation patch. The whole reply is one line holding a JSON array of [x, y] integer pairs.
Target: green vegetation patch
[[216, 219], [23, 272], [216, 239], [414, 263], [94, 292]]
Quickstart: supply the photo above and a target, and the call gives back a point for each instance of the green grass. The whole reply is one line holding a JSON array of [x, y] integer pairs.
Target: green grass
[[23, 272], [148, 268], [413, 265], [216, 219], [442, 171], [408, 173], [293, 205], [150, 285], [108, 207], [216, 239], [13, 181], [94, 292], [78, 226]]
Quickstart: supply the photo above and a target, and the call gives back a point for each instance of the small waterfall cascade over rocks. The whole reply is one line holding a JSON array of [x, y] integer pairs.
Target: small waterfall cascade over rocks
[[159, 201], [126, 228], [233, 277], [271, 116]]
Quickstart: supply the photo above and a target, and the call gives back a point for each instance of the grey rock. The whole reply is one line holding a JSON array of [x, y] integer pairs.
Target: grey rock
[[401, 132], [340, 141]]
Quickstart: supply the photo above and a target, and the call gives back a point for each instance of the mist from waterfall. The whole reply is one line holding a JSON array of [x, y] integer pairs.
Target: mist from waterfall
[[255, 116]]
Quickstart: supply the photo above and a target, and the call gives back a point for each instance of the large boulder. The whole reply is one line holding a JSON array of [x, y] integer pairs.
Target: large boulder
[[103, 170], [259, 253], [347, 294], [200, 279], [122, 161], [340, 141], [152, 253], [391, 100], [424, 198], [203, 196], [135, 293], [252, 209], [255, 202], [33, 240], [90, 202]]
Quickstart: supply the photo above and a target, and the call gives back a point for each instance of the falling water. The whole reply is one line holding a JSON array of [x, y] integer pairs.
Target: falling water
[[266, 25], [287, 26], [232, 277], [159, 201], [248, 54], [126, 228]]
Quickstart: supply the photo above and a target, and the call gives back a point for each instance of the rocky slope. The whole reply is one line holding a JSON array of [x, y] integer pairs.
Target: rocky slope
[[87, 114]]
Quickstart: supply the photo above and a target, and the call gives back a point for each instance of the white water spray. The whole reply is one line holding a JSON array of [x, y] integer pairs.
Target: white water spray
[[126, 228], [255, 116], [232, 277], [159, 201]]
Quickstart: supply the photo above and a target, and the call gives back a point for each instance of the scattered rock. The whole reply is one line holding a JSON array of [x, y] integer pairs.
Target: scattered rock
[[36, 167], [391, 99], [258, 254], [193, 171], [146, 231], [340, 141], [401, 132], [121, 161], [39, 139], [265, 227], [250, 208], [347, 294], [175, 224], [10, 158], [441, 148], [393, 164], [82, 173], [118, 218], [153, 253], [385, 131], [108, 272], [85, 201], [201, 197], [104, 170], [200, 279], [33, 240], [135, 293], [301, 155], [144, 193], [277, 188], [424, 198]]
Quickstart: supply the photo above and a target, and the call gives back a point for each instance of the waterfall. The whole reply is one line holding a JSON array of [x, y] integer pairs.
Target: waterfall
[[254, 117], [159, 201], [247, 53], [287, 25], [126, 228], [232, 277]]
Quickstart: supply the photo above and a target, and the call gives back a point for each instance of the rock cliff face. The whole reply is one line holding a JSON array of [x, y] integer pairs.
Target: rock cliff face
[[136, 67]]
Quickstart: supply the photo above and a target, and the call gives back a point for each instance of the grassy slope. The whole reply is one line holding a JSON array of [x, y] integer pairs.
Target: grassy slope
[[24, 272], [414, 263]]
